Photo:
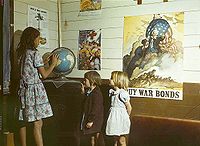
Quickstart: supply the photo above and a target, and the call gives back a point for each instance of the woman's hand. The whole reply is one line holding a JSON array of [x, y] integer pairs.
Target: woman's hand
[[54, 59], [128, 107], [89, 125], [82, 88], [45, 72], [46, 57]]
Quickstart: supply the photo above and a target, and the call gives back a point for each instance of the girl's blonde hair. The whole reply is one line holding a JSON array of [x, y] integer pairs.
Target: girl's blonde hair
[[93, 77], [120, 79]]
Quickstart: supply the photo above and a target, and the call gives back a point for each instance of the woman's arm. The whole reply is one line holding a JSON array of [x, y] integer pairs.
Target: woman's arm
[[47, 59], [45, 72], [82, 88], [128, 107], [124, 97]]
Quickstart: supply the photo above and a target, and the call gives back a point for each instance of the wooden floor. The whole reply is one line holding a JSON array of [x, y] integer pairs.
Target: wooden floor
[[145, 131]]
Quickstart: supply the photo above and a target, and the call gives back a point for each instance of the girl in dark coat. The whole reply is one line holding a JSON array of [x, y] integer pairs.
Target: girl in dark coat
[[92, 119]]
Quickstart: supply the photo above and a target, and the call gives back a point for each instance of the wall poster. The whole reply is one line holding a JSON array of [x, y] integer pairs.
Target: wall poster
[[90, 7], [38, 18], [153, 55], [89, 56]]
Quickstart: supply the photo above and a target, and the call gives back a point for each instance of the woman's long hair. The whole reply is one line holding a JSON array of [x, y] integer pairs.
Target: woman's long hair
[[27, 40]]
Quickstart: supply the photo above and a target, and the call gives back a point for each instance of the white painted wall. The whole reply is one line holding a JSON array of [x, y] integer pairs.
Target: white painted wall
[[111, 22], [21, 18]]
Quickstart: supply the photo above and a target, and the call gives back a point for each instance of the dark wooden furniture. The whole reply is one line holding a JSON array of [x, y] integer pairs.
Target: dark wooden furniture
[[63, 128], [65, 98]]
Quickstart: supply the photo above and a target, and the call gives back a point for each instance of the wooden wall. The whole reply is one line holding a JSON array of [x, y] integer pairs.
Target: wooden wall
[[111, 21], [21, 19], [188, 108]]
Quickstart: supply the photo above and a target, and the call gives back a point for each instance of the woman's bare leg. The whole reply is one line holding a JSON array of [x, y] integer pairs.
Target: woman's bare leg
[[22, 134], [37, 132], [92, 141], [122, 141], [116, 138], [99, 140]]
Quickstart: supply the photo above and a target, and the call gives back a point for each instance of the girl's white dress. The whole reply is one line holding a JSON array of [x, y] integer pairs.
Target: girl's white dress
[[34, 101], [118, 122]]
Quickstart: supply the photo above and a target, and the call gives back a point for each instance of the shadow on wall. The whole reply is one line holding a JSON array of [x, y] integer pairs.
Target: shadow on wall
[[12, 101]]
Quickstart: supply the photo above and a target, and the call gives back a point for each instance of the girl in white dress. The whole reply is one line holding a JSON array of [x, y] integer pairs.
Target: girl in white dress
[[34, 104], [118, 122]]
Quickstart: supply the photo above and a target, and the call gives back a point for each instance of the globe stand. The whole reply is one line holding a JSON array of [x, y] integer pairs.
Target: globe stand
[[61, 77]]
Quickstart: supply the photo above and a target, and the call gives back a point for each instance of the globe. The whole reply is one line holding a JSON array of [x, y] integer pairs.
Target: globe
[[66, 61]]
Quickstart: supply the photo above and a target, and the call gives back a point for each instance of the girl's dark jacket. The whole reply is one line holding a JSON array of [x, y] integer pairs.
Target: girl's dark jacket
[[93, 111]]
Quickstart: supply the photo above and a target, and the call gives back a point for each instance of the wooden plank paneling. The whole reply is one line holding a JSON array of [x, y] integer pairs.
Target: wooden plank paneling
[[105, 73], [112, 53], [192, 28], [192, 58], [71, 34], [192, 16], [115, 43], [151, 1], [93, 23], [191, 76], [191, 40], [21, 17], [112, 43], [188, 108], [111, 23], [130, 10], [20, 7], [107, 33]]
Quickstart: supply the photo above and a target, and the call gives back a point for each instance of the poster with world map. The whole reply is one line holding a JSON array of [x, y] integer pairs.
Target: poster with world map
[[153, 55]]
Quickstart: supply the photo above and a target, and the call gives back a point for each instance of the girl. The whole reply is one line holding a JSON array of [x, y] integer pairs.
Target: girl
[[92, 120], [118, 122], [34, 104]]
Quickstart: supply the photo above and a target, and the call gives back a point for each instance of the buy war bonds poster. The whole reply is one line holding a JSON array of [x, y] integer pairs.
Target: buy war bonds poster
[[153, 55]]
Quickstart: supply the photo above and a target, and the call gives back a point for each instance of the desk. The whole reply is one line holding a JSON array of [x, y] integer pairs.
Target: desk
[[65, 98]]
